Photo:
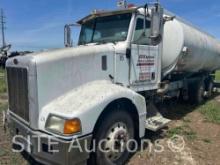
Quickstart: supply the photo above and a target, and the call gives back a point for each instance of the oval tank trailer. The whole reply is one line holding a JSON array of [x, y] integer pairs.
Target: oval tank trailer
[[188, 49]]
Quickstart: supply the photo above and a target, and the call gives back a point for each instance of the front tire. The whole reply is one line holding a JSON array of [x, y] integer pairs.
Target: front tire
[[111, 138]]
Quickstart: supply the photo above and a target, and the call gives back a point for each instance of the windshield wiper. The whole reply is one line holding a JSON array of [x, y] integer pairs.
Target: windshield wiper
[[104, 42]]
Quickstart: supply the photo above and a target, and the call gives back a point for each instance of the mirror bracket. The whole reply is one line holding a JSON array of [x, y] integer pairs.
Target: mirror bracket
[[156, 39], [168, 18]]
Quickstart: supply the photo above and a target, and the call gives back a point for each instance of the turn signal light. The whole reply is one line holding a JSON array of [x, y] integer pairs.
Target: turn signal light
[[72, 126]]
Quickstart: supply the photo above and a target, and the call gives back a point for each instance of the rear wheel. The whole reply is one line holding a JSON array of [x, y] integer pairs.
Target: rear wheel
[[184, 95], [196, 92], [209, 89], [112, 137]]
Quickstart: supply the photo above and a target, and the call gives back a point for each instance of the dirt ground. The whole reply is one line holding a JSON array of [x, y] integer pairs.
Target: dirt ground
[[201, 139], [198, 140]]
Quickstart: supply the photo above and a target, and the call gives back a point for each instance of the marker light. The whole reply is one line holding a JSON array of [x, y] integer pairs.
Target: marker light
[[72, 126], [131, 5]]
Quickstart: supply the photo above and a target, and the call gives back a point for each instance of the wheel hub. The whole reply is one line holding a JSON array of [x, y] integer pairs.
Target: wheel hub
[[116, 141]]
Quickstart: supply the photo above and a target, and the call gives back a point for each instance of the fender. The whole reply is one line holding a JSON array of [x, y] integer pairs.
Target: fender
[[88, 101]]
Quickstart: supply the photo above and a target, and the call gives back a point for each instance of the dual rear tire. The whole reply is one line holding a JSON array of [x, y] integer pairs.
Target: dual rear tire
[[200, 90], [209, 88], [196, 92]]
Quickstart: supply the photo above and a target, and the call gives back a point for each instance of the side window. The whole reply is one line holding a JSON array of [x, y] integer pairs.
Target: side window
[[89, 33], [138, 39]]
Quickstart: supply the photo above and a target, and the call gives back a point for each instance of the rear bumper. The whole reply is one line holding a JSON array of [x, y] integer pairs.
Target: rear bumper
[[48, 149]]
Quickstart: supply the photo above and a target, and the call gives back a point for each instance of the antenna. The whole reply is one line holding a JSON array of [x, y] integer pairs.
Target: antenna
[[2, 22]]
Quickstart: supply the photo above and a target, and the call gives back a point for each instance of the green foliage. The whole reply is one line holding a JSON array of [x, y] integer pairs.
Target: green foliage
[[184, 130], [217, 76], [3, 88], [207, 140], [3, 106], [211, 111]]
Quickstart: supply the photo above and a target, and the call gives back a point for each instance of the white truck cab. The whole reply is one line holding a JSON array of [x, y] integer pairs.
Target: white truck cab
[[95, 91]]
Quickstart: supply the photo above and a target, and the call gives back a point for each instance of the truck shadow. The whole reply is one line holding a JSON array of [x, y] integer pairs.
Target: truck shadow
[[174, 110], [177, 110], [29, 159]]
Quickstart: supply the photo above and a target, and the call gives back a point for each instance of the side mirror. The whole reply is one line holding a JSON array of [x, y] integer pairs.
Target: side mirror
[[156, 23], [67, 36], [68, 33]]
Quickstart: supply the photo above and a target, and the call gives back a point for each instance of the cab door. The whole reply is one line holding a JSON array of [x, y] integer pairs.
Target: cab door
[[145, 65]]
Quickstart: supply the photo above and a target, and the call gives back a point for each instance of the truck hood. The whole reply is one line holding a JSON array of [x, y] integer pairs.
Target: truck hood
[[59, 71]]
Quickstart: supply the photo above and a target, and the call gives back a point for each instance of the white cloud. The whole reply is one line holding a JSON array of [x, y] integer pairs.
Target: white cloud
[[45, 27]]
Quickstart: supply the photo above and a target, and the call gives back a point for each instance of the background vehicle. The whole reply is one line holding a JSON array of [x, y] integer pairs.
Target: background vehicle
[[106, 87]]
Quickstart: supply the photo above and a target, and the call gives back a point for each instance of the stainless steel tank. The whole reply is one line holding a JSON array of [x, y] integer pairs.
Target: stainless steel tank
[[188, 49]]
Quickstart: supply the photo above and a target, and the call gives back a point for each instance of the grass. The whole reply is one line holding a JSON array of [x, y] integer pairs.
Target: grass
[[3, 152], [186, 120], [217, 76], [207, 141], [3, 106], [184, 130], [3, 87], [211, 111]]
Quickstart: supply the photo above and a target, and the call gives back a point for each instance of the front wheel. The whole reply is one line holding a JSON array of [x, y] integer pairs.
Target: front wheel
[[112, 138]]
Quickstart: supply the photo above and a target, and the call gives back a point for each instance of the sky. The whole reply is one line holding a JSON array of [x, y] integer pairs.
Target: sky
[[38, 24]]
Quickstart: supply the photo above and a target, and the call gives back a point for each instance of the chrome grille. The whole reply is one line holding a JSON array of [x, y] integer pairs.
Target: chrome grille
[[18, 91]]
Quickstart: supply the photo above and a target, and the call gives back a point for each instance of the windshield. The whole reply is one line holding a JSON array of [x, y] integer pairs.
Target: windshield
[[105, 29]]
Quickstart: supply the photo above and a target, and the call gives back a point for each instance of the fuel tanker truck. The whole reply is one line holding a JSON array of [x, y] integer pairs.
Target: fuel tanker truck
[[87, 103]]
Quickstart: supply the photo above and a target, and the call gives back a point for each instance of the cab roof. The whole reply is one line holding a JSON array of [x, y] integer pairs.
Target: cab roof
[[106, 13]]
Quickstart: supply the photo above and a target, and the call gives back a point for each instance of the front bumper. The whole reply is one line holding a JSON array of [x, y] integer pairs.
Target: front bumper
[[48, 149]]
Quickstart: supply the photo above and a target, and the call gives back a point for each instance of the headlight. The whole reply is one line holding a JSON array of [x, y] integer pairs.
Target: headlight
[[63, 126]]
